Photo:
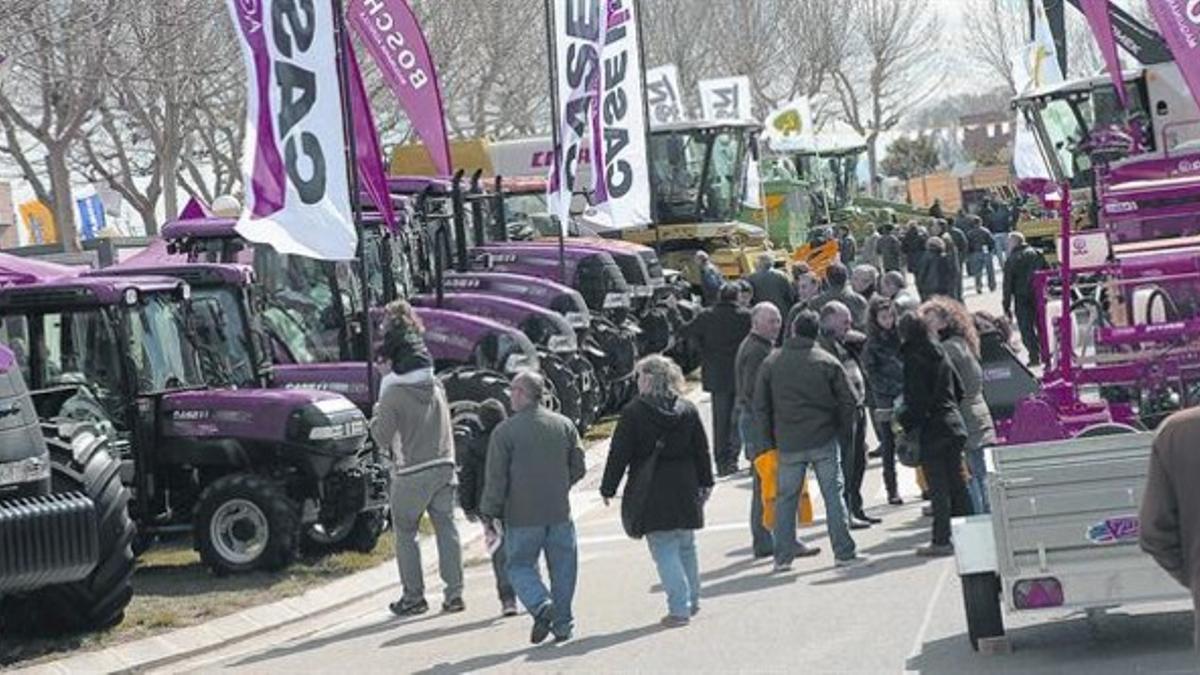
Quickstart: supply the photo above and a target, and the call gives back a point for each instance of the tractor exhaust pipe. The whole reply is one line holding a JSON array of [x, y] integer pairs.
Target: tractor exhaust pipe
[[501, 217], [460, 226]]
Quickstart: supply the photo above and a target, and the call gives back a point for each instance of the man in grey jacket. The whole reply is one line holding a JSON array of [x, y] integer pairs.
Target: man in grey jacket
[[533, 460], [412, 424], [803, 404]]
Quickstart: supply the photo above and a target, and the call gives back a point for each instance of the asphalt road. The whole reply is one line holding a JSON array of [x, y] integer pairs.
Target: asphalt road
[[900, 614]]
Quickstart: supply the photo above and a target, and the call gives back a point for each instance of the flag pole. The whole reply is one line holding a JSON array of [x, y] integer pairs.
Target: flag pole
[[637, 8], [343, 43], [552, 63]]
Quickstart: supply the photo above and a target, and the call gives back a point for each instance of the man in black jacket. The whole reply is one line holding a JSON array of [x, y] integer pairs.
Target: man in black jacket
[[803, 403], [719, 331], [979, 253], [837, 278], [1023, 262], [889, 250], [471, 455]]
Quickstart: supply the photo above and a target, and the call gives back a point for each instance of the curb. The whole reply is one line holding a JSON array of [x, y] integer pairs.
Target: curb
[[167, 648]]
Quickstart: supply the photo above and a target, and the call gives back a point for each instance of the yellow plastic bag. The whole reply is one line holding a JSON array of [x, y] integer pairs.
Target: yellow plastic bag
[[767, 466]]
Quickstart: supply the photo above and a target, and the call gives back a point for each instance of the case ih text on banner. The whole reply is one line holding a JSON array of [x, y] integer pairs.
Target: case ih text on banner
[[578, 38], [297, 195], [620, 161]]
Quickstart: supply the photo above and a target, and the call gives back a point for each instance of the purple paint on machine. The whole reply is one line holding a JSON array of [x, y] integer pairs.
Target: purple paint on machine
[[1115, 530]]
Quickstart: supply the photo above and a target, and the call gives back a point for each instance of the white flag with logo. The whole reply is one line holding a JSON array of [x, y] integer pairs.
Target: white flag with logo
[[726, 98], [1035, 67], [663, 95], [620, 162], [790, 127], [297, 189], [578, 38]]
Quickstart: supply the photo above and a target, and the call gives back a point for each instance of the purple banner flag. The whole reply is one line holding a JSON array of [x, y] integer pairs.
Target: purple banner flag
[[1101, 24], [393, 36], [371, 175], [1179, 23]]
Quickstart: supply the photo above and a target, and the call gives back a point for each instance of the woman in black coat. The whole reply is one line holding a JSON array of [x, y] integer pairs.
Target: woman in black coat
[[660, 432], [931, 417], [937, 273], [885, 373]]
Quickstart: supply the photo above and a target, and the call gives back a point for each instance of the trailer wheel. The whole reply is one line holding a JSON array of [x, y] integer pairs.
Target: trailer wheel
[[84, 463], [1105, 429], [246, 522], [981, 599], [565, 388]]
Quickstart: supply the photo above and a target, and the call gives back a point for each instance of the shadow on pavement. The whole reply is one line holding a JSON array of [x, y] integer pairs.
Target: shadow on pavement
[[548, 652], [317, 643], [439, 633], [1114, 643]]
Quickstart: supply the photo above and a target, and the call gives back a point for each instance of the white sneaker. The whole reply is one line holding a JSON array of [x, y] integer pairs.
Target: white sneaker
[[856, 561]]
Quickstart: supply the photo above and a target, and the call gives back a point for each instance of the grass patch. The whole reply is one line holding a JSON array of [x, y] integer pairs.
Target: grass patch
[[601, 430], [172, 590]]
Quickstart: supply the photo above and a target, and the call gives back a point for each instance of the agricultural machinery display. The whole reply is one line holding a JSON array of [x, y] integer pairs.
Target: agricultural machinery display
[[249, 472]]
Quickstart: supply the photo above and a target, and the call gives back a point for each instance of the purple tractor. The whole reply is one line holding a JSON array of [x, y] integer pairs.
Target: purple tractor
[[175, 384]]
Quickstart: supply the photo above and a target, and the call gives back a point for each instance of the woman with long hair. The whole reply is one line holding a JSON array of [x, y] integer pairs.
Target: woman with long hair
[[956, 330], [661, 442], [885, 373], [931, 418]]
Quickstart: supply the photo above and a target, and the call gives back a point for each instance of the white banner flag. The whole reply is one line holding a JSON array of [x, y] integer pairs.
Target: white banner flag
[[1036, 66], [578, 39], [297, 191], [790, 127], [663, 95], [620, 162], [727, 98]]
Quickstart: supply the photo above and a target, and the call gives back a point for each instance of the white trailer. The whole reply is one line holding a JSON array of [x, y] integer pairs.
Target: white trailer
[[1063, 533]]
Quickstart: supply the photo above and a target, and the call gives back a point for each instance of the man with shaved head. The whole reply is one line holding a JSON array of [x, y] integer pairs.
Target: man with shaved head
[[533, 460], [766, 323]]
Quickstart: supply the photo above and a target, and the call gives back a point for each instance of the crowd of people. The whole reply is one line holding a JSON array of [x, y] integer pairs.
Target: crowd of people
[[798, 369]]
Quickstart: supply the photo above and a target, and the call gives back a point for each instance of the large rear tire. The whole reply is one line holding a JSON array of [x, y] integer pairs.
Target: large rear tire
[[616, 370], [566, 389], [246, 522], [591, 391], [84, 463]]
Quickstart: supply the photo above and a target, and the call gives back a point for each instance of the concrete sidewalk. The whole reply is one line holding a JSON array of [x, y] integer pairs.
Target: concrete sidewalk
[[381, 581]]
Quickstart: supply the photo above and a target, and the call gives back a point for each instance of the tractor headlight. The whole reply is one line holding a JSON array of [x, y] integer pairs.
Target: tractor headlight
[[337, 432], [562, 343], [643, 291], [29, 470], [617, 301], [578, 320], [517, 362]]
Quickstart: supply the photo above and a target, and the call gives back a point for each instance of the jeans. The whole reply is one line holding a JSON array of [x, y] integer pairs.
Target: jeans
[[1027, 323], [790, 480], [982, 262], [523, 546], [1000, 247], [947, 489], [854, 463], [429, 491], [760, 537], [977, 487], [674, 553], [504, 589], [724, 434]]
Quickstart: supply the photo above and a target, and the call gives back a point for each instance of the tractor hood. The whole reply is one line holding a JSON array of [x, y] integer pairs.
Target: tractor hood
[[542, 326], [552, 295], [456, 338], [345, 379], [323, 420]]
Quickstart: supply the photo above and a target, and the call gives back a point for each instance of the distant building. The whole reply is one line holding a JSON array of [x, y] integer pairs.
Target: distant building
[[987, 137]]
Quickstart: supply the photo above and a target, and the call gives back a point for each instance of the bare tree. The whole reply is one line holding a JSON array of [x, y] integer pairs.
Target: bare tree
[[896, 68], [164, 61], [996, 31], [58, 77]]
